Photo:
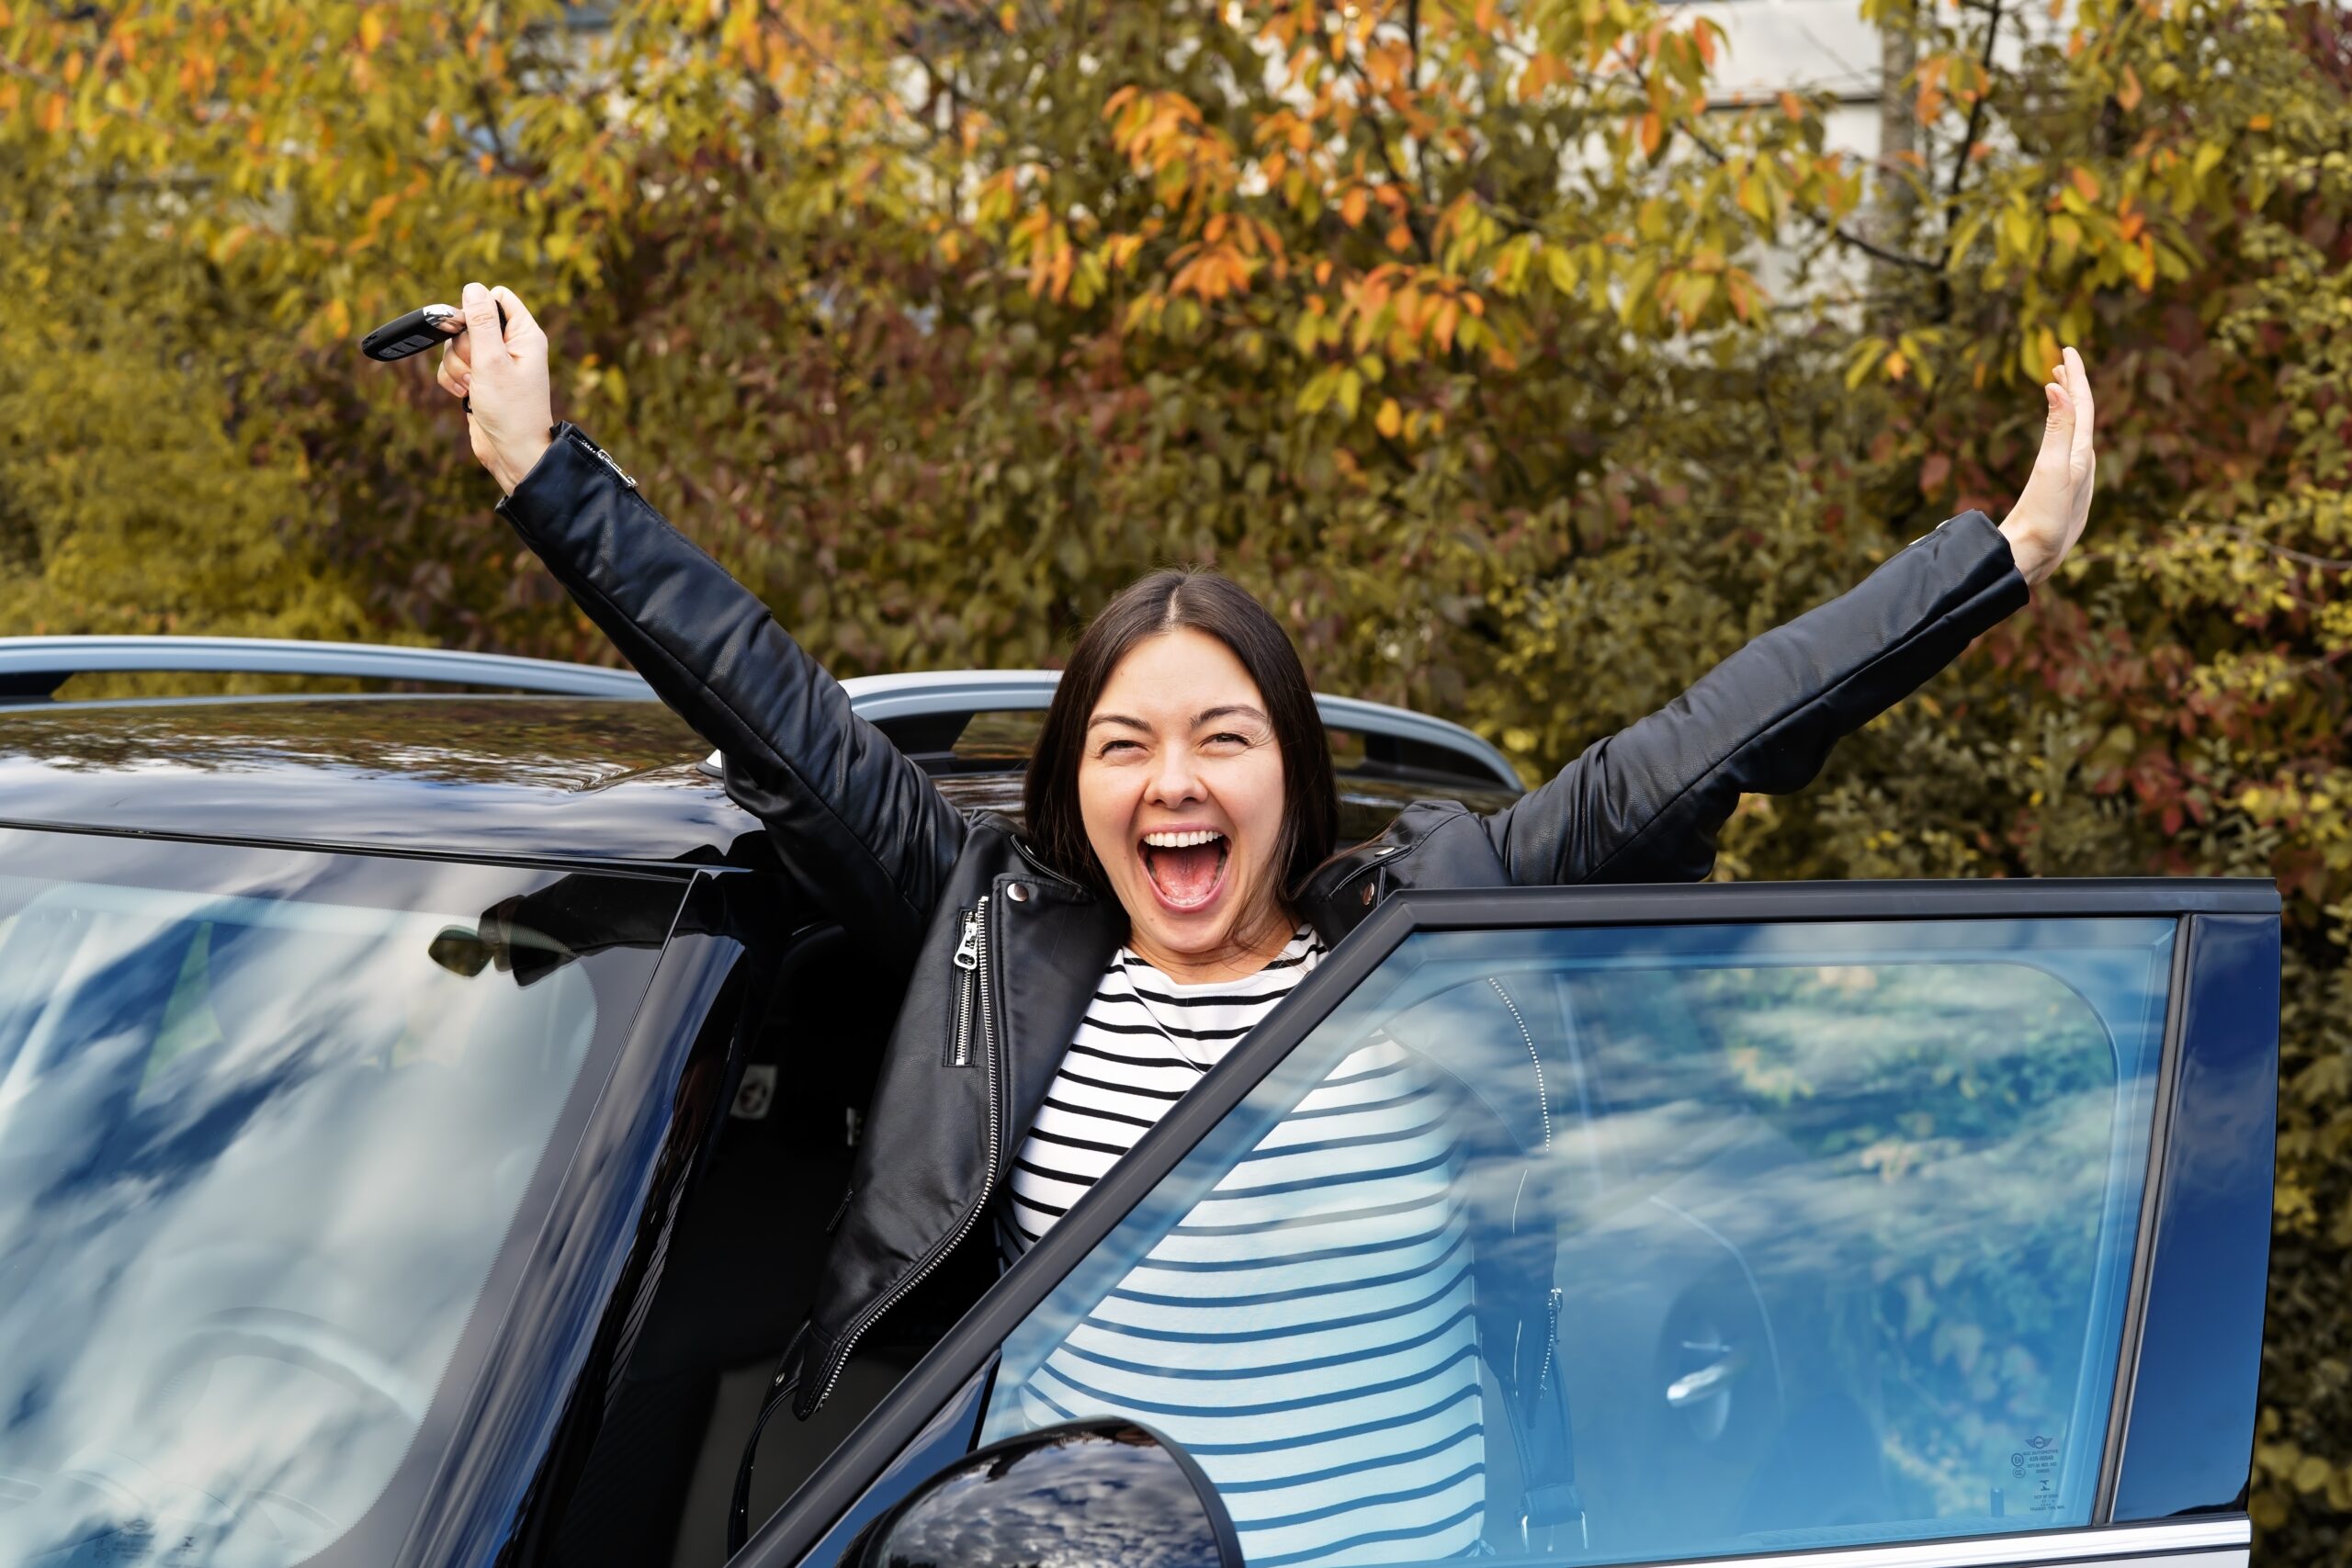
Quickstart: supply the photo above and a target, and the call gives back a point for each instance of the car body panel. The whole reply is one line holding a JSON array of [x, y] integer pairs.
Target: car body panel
[[2198, 1353], [564, 779]]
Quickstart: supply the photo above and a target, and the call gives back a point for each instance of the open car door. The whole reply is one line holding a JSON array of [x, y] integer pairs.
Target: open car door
[[1880, 1223]]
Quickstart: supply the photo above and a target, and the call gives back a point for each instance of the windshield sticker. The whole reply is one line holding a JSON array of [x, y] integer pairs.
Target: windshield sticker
[[2033, 1468]]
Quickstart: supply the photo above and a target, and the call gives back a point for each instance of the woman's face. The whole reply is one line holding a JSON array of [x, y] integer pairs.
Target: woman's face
[[1180, 786]]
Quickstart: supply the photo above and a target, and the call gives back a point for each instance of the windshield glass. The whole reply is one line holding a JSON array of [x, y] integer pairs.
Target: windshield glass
[[266, 1119]]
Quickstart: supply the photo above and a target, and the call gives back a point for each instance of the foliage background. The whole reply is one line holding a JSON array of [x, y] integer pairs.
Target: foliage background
[[1524, 371]]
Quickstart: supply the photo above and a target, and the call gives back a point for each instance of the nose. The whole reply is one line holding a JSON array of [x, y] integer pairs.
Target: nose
[[1175, 780]]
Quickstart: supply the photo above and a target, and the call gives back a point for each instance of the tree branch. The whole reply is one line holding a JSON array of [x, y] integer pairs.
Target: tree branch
[[1397, 170], [1420, 143], [2323, 563], [498, 150], [1976, 109], [1836, 231]]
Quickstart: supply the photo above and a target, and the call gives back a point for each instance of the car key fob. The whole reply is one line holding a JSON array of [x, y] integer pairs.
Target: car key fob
[[418, 330]]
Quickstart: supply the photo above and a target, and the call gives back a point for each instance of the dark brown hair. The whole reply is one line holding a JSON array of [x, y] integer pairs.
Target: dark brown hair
[[1164, 601]]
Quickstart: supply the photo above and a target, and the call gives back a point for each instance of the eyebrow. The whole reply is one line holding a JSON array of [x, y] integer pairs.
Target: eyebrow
[[1206, 716]]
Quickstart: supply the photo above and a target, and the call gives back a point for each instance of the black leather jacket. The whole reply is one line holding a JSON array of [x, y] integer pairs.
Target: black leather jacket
[[862, 831]]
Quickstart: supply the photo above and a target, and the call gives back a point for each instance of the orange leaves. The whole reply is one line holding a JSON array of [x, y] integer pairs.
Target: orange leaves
[[1400, 314], [1192, 163], [1539, 71], [1210, 271], [1387, 66], [1154, 130], [998, 197], [1739, 289], [1930, 83], [1120, 251]]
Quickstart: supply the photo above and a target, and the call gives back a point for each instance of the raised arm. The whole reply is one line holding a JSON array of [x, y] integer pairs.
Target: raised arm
[[858, 826], [1646, 804]]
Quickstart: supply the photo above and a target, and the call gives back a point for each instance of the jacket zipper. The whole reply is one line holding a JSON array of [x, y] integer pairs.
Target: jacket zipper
[[975, 982], [607, 458], [971, 953]]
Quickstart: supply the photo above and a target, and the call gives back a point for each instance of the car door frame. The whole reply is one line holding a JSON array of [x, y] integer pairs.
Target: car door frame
[[558, 1311], [2205, 1207]]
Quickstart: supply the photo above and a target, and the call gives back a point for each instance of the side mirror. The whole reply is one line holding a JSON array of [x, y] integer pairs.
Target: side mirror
[[1087, 1491]]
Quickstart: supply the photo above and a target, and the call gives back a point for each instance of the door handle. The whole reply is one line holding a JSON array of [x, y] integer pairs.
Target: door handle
[[1691, 1388]]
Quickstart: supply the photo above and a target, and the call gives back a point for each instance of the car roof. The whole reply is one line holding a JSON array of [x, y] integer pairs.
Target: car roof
[[548, 776]]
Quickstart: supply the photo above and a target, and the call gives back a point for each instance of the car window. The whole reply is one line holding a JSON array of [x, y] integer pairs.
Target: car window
[[1641, 1244], [260, 1141]]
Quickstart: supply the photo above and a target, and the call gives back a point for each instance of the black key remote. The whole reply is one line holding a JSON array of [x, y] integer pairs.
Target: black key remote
[[418, 330]]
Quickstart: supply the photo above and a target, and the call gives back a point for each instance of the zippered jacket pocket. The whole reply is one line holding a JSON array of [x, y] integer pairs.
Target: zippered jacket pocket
[[966, 1021]]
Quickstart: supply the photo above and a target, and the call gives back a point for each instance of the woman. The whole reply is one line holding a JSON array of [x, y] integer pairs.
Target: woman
[[1176, 874]]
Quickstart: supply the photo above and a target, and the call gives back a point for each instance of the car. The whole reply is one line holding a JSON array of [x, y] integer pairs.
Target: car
[[422, 1114]]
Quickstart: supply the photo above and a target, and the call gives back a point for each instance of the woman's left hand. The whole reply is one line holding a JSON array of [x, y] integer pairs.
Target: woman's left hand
[[2049, 516]]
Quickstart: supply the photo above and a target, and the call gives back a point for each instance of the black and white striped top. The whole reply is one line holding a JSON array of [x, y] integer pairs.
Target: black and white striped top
[[1306, 1331]]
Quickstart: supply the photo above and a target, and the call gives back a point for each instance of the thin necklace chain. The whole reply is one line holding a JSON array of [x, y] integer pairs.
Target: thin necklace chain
[[1175, 1043]]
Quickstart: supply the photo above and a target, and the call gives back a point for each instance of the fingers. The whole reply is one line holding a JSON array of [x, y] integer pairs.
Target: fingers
[[519, 320], [482, 315], [2078, 389], [456, 374], [2058, 428]]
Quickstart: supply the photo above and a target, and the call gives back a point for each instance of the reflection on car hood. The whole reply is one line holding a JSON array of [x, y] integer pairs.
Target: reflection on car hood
[[560, 778], [535, 776]]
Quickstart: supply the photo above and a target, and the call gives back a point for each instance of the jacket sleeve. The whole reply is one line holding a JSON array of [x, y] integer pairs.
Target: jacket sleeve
[[862, 830], [1646, 804]]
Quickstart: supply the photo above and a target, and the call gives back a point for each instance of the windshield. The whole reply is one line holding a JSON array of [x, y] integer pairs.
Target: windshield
[[266, 1119]]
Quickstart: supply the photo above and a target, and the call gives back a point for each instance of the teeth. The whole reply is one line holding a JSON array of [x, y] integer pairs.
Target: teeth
[[1182, 841]]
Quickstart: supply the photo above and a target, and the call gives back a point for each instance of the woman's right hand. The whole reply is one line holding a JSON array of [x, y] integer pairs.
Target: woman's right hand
[[509, 411]]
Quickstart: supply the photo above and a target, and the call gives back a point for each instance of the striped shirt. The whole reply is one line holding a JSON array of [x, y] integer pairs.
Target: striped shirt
[[1306, 1331]]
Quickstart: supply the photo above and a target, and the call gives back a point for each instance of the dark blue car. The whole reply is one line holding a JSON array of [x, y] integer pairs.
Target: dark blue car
[[422, 1114]]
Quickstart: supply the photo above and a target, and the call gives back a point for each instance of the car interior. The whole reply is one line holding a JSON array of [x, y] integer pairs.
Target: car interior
[[741, 1269], [739, 1274]]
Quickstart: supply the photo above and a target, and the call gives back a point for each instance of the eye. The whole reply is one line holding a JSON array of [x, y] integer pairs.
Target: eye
[[1109, 747], [1226, 737]]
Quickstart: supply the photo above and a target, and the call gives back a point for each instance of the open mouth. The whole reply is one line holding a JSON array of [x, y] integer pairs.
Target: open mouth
[[1186, 868]]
